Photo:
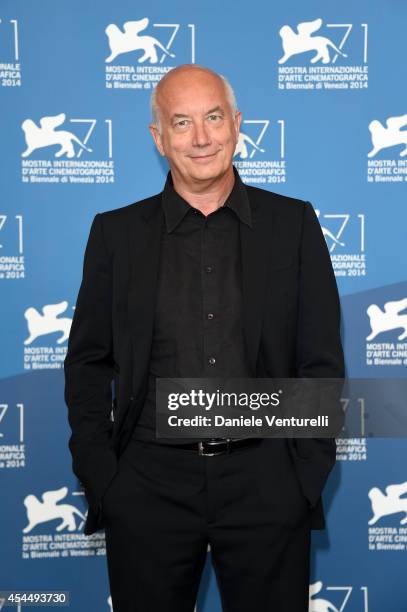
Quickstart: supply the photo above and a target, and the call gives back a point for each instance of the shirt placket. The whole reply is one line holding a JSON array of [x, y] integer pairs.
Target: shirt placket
[[210, 299]]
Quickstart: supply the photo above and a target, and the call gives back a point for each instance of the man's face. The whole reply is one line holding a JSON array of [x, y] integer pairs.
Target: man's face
[[199, 130]]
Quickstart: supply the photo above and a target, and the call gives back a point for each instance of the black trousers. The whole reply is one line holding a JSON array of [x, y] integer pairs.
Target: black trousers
[[165, 505]]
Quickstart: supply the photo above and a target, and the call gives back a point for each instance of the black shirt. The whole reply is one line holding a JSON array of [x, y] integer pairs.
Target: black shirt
[[198, 319]]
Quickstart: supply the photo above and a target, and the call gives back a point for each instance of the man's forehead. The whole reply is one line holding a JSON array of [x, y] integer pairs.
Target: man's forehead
[[191, 100], [191, 91]]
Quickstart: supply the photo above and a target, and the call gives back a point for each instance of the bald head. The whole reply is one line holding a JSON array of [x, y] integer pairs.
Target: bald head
[[183, 75]]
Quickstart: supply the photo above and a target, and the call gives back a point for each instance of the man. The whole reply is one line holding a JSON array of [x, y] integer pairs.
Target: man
[[208, 278]]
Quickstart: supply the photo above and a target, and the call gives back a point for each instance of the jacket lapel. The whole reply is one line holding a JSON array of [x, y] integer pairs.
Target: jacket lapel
[[144, 243], [255, 245]]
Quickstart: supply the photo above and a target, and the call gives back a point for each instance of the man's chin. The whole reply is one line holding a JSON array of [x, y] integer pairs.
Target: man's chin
[[207, 172]]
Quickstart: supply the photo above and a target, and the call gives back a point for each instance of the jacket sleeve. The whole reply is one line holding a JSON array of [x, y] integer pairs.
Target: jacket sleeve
[[319, 346], [89, 370]]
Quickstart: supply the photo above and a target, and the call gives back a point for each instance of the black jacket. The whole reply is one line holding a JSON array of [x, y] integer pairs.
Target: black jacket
[[291, 320]]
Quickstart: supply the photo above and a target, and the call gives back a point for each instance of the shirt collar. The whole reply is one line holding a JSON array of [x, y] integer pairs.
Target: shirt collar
[[175, 207]]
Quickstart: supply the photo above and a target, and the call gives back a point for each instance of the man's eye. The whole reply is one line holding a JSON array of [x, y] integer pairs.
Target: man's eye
[[214, 117], [182, 123]]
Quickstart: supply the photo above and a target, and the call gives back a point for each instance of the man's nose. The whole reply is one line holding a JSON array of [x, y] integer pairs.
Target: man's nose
[[201, 136]]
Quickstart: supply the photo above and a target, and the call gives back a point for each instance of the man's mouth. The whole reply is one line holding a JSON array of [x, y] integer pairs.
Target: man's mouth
[[203, 157]]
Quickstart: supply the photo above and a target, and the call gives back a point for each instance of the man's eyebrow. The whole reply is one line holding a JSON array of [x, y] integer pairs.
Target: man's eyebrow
[[179, 115], [212, 110]]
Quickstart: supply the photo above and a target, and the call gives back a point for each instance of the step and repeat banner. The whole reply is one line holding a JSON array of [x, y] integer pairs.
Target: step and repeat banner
[[322, 88]]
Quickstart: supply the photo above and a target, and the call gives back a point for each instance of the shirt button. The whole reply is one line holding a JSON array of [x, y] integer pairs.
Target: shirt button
[[208, 269], [211, 360], [209, 315]]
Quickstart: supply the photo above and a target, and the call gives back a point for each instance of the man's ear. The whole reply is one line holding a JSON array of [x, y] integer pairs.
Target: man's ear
[[155, 133], [237, 121]]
